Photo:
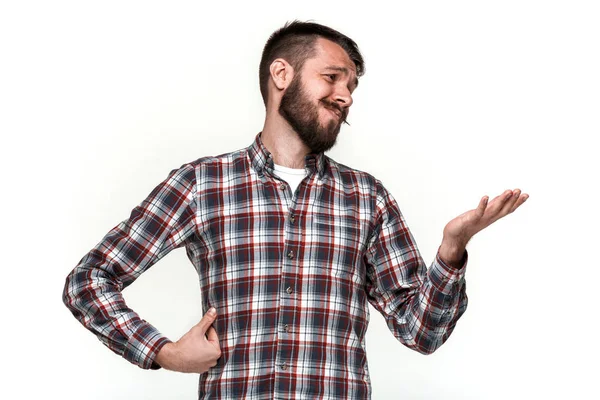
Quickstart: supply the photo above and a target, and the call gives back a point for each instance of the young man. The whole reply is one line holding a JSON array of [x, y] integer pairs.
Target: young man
[[290, 247]]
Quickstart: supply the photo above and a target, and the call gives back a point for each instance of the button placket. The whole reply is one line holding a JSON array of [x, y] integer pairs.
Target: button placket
[[284, 359]]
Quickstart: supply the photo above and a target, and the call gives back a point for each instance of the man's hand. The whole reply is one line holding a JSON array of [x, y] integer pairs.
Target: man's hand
[[197, 351], [461, 229]]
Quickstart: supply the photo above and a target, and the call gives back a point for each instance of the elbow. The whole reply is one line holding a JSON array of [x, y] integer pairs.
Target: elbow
[[427, 345], [426, 350], [67, 293], [74, 293]]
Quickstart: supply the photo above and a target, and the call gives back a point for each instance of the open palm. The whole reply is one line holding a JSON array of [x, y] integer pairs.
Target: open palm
[[462, 228]]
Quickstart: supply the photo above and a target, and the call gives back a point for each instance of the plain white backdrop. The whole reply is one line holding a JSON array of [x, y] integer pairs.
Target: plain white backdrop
[[99, 101]]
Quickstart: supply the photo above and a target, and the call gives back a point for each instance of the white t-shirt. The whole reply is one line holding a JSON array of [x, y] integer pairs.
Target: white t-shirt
[[292, 176]]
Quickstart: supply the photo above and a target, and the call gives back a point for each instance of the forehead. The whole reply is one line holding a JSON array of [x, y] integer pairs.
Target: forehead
[[328, 53]]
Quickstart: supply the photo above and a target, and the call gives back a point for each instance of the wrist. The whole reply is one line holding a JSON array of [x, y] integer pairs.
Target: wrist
[[167, 357], [452, 252]]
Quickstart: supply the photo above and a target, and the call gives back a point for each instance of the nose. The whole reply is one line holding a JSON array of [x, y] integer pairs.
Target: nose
[[343, 97]]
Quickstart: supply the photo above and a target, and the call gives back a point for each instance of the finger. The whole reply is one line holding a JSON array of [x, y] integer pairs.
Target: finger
[[207, 320], [212, 336], [501, 198], [522, 198], [482, 205], [510, 202], [498, 203]]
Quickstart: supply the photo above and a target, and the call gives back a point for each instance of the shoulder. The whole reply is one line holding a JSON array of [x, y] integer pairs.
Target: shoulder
[[354, 177], [208, 166], [354, 180], [219, 160]]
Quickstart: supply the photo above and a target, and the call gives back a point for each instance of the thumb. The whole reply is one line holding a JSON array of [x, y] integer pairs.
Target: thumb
[[207, 320], [212, 336], [482, 205]]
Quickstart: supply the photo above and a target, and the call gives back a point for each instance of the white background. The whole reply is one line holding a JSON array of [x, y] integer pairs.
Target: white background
[[100, 100]]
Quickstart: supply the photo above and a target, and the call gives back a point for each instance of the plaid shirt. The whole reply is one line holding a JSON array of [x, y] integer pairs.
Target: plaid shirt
[[290, 275]]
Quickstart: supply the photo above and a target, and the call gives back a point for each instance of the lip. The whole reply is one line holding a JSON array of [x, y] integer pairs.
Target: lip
[[337, 113]]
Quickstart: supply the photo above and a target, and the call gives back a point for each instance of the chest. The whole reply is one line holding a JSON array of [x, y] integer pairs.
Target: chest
[[323, 224]]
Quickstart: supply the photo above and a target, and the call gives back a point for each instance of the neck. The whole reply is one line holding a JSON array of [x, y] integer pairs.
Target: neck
[[283, 142]]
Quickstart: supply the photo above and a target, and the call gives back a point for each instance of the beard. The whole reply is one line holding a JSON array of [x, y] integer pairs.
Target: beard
[[303, 116]]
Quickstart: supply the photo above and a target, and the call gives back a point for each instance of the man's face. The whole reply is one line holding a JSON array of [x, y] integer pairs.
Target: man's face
[[318, 99]]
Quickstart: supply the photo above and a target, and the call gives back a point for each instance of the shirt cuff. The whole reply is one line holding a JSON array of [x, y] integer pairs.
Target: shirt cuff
[[143, 346], [444, 277]]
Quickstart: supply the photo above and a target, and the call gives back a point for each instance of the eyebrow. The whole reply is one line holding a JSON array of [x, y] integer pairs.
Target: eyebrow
[[345, 71]]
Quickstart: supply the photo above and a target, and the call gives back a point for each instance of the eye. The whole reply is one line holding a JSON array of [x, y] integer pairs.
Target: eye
[[331, 77]]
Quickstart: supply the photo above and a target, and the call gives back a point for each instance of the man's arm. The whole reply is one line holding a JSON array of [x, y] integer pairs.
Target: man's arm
[[92, 292], [422, 305]]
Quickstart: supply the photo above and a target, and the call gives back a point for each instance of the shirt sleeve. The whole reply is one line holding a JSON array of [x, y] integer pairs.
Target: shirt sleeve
[[421, 306], [92, 292]]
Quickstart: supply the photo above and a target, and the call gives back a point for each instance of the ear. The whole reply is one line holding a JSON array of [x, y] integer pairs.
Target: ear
[[282, 73]]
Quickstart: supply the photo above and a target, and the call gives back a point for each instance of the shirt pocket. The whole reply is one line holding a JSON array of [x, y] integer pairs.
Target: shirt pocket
[[338, 241]]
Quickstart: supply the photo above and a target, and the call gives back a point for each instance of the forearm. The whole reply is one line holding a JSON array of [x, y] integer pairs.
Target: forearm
[[162, 222], [423, 313], [421, 305], [94, 297]]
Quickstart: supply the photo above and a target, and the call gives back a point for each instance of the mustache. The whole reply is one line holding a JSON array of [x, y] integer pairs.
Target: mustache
[[337, 107]]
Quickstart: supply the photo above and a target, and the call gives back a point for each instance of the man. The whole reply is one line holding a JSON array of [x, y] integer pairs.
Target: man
[[289, 246]]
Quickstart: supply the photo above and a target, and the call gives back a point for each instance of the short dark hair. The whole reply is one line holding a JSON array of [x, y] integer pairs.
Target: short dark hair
[[295, 42]]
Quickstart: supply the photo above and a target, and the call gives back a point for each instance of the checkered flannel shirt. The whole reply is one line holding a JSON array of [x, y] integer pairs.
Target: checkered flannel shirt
[[290, 274]]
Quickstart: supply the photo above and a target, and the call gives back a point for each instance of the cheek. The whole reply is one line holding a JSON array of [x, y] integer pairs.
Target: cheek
[[318, 90]]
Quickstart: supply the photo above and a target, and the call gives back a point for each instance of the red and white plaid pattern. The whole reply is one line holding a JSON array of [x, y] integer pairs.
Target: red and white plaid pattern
[[290, 275]]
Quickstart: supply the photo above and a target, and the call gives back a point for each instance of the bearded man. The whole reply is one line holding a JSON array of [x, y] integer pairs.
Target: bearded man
[[290, 247]]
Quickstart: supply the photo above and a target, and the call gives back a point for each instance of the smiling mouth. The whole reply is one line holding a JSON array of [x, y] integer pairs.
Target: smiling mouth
[[337, 113]]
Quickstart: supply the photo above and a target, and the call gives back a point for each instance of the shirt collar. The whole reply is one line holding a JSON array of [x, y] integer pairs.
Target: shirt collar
[[262, 159]]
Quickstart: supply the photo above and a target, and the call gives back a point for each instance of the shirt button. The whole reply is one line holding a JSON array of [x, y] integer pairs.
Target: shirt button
[[289, 290], [292, 218], [286, 328], [284, 366], [290, 254], [282, 187]]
